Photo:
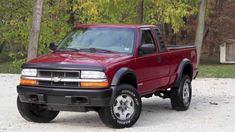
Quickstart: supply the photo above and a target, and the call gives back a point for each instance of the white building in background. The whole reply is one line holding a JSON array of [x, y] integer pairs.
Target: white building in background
[[227, 52]]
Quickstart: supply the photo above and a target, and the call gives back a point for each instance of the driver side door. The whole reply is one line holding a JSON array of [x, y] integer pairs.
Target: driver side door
[[147, 65]]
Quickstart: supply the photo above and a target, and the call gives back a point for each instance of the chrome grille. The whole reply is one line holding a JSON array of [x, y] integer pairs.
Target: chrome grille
[[64, 74], [59, 74]]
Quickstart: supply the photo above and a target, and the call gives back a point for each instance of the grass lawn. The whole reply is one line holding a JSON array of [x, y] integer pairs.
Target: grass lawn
[[216, 71]]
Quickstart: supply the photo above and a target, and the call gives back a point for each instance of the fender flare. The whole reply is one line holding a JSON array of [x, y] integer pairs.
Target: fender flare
[[121, 73], [116, 80], [180, 70]]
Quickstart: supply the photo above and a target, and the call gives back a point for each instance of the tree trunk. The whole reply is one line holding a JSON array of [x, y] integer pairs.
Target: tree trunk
[[200, 29], [35, 30], [140, 12]]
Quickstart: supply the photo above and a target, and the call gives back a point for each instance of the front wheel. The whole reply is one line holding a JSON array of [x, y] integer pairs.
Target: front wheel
[[181, 96], [125, 110], [35, 112]]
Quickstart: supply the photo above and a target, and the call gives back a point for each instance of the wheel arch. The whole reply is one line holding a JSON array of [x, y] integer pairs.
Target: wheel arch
[[185, 68], [125, 75], [120, 77]]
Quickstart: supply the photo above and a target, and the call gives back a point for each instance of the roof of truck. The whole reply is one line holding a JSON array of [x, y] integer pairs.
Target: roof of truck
[[112, 26]]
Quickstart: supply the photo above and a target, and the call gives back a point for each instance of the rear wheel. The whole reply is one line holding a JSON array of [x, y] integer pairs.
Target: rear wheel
[[35, 112], [181, 96], [125, 110]]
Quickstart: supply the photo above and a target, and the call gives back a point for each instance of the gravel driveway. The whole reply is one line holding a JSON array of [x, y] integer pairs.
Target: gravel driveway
[[212, 110]]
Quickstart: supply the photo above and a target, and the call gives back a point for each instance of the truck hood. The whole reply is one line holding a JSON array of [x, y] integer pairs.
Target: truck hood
[[80, 58]]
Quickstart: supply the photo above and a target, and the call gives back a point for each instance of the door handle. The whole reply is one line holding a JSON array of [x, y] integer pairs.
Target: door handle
[[158, 59]]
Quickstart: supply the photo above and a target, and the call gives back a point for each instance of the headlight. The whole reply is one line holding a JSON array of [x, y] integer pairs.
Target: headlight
[[29, 72], [92, 74]]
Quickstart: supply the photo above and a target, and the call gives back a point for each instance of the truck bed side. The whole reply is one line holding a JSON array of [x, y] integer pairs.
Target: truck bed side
[[177, 55]]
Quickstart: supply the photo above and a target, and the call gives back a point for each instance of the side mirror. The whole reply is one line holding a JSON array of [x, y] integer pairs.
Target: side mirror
[[147, 49], [52, 46]]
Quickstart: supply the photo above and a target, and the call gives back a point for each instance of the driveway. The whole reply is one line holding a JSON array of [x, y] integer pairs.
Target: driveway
[[212, 110]]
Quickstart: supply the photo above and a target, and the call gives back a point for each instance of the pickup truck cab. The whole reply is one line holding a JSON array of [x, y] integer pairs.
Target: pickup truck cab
[[106, 68]]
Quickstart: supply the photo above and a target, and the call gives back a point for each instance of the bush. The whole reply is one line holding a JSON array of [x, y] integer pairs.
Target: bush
[[4, 57]]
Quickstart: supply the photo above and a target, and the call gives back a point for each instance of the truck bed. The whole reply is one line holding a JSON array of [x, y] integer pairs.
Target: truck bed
[[175, 47], [179, 52]]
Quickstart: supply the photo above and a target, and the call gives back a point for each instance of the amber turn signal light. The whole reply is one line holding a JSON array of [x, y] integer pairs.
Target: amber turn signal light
[[28, 82], [94, 84]]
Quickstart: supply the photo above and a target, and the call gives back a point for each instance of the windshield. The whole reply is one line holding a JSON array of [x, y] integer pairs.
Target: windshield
[[105, 39]]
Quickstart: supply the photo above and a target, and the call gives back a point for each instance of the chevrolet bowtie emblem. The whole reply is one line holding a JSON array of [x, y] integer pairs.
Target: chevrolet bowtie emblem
[[56, 79]]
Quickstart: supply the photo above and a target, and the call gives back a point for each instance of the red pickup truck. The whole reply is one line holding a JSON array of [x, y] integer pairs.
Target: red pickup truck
[[106, 68]]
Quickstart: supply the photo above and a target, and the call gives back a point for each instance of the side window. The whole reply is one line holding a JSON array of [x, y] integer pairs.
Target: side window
[[159, 38], [147, 45]]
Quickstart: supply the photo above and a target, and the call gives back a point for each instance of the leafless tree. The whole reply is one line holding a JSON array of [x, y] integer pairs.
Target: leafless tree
[[35, 30], [200, 28], [140, 12]]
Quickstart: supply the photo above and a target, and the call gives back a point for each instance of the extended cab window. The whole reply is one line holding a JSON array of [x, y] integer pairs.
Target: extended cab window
[[147, 45], [160, 40]]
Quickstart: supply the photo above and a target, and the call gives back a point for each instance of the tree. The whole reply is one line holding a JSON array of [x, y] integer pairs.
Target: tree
[[59, 17], [169, 12], [140, 12], [219, 25], [14, 28], [200, 29], [35, 30]]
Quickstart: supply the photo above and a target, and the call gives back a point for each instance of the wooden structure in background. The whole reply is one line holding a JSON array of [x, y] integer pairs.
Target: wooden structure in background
[[227, 51]]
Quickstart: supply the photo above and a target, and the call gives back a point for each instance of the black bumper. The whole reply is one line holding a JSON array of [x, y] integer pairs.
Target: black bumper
[[65, 97]]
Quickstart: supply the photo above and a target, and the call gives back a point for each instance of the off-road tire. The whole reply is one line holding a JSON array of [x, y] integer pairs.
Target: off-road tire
[[35, 112], [108, 116], [176, 96]]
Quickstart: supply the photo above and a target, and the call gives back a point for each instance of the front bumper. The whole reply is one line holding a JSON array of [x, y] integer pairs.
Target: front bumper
[[65, 97]]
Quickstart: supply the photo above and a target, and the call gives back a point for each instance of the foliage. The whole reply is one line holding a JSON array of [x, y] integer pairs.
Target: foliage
[[59, 16], [15, 19], [169, 11], [104, 11], [54, 24]]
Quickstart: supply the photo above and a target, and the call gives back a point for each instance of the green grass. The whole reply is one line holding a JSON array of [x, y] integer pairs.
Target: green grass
[[216, 71]]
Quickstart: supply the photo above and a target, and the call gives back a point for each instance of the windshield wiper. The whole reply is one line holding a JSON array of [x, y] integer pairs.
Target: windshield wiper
[[69, 49], [93, 50], [96, 50]]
